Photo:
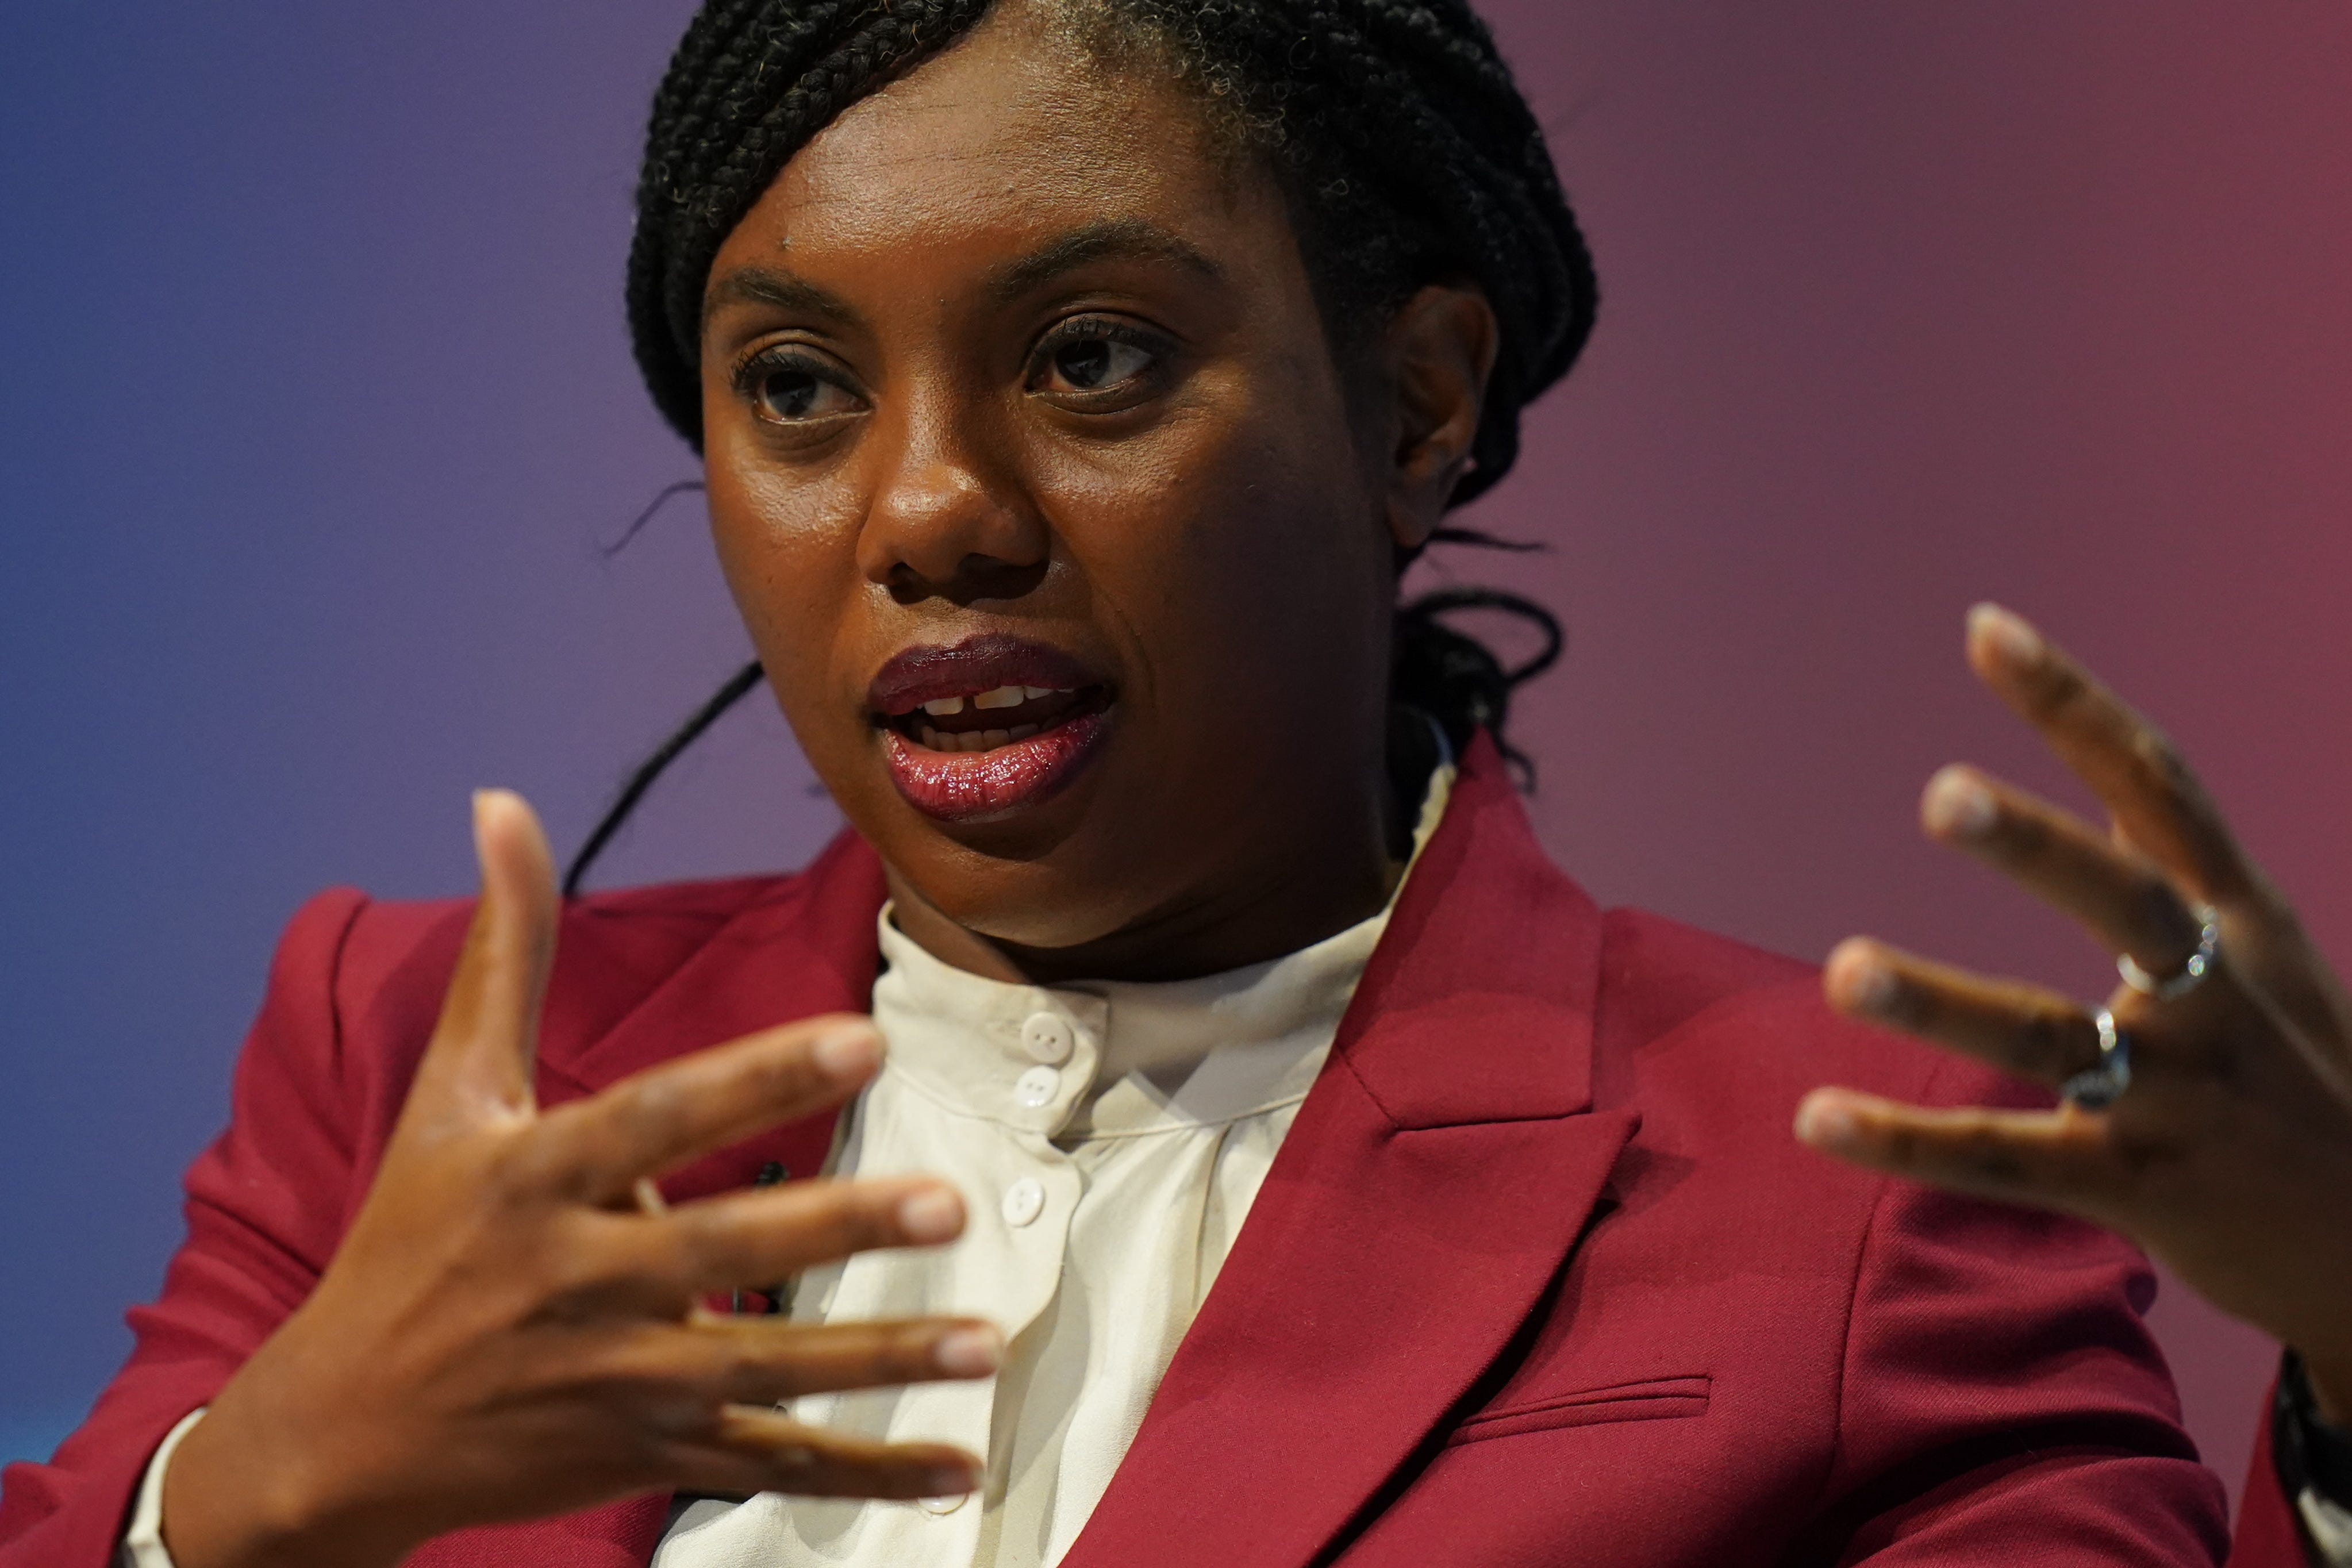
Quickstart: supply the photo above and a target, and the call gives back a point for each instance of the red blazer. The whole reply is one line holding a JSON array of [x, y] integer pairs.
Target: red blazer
[[1539, 1276]]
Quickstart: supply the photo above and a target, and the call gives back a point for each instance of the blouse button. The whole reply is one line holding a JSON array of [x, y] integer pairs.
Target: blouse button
[[943, 1505], [1038, 1087], [1024, 1200], [1047, 1038]]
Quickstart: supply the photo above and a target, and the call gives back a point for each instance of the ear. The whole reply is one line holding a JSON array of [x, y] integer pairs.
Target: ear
[[1441, 349]]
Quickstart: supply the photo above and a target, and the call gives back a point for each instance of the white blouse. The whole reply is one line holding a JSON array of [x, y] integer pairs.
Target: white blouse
[[1109, 1139]]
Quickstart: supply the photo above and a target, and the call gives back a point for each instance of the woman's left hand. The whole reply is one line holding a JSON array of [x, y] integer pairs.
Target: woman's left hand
[[2229, 1155]]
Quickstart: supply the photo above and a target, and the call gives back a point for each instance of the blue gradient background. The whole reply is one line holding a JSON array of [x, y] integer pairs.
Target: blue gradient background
[[316, 410]]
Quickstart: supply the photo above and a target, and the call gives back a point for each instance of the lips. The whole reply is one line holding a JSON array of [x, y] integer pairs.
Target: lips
[[984, 728]]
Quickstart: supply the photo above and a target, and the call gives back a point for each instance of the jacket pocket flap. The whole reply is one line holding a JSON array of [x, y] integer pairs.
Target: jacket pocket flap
[[1653, 1399]]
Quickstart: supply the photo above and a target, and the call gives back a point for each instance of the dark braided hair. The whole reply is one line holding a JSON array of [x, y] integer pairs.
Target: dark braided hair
[[1403, 146]]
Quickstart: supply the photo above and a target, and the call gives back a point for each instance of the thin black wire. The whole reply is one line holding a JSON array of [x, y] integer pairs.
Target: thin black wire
[[1454, 533], [653, 509], [738, 687], [1444, 601]]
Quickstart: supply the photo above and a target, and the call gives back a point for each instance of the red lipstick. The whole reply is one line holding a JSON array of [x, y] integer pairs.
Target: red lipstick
[[980, 729]]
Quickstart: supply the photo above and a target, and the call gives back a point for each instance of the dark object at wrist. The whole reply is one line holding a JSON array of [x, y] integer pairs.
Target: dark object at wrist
[[2312, 1455]]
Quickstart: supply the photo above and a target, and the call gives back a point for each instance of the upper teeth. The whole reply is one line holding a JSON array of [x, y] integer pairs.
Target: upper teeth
[[1002, 697]]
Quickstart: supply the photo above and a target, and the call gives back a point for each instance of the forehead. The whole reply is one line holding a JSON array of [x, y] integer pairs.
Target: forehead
[[1017, 130]]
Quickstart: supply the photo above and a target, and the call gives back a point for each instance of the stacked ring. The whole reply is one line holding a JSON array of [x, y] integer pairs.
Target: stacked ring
[[2097, 1088], [2192, 974]]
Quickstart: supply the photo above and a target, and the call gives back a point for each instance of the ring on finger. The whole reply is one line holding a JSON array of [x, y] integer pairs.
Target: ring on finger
[[2190, 974], [2097, 1088]]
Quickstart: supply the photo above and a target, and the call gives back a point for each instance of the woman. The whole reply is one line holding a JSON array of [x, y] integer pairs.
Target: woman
[[1333, 1180]]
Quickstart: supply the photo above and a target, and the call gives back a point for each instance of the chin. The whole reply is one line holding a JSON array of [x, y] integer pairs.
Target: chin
[[1081, 890]]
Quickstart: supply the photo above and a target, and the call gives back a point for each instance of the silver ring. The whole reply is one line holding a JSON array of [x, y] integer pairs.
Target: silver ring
[[2172, 987], [2095, 1089]]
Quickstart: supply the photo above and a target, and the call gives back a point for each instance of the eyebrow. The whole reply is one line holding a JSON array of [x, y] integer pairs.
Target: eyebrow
[[1124, 240], [783, 290]]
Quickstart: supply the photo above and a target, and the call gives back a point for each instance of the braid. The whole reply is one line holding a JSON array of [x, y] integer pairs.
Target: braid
[[751, 83], [1405, 147], [1421, 158], [1403, 138]]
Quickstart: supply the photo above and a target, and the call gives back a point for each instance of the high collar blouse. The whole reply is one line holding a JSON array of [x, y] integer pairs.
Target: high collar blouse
[[1108, 1140]]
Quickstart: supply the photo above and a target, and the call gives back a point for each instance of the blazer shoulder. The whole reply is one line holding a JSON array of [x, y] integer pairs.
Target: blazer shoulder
[[1670, 994], [391, 946], [615, 949]]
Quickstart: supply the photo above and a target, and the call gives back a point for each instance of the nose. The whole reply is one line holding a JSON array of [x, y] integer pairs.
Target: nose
[[948, 519]]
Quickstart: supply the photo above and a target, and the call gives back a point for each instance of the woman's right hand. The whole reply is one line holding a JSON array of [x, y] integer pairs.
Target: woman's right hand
[[505, 1333]]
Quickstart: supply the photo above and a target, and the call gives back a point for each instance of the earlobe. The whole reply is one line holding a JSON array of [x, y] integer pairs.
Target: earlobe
[[1441, 348]]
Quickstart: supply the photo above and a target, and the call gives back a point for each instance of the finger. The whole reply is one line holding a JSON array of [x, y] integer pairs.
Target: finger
[[2019, 1028], [2049, 1159], [2123, 897], [762, 1451], [766, 1360], [750, 1239], [598, 1149], [478, 1066], [2128, 763]]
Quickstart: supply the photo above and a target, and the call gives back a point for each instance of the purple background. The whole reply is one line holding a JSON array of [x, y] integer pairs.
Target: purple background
[[315, 408]]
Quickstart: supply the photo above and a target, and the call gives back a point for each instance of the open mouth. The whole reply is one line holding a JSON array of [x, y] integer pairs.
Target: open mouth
[[987, 726], [985, 721]]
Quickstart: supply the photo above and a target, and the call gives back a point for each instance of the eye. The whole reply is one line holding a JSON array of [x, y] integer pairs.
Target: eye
[[783, 388], [1091, 366], [1090, 361], [792, 394]]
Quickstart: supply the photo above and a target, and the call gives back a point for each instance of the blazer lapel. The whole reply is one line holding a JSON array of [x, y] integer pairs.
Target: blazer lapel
[[804, 947], [1432, 1187]]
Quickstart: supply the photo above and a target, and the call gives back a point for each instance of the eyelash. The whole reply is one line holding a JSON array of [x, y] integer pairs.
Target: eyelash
[[1099, 330], [753, 367]]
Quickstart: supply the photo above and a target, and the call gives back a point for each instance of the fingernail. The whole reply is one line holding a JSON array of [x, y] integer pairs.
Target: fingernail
[[1956, 803], [1825, 1123], [953, 1480], [935, 1213], [2016, 642], [1868, 984], [847, 1054], [969, 1352]]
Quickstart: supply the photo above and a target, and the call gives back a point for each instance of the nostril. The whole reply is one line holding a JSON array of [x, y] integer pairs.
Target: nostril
[[974, 579]]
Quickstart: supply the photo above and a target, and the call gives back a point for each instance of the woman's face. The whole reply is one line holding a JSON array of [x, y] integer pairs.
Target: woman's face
[[1064, 545]]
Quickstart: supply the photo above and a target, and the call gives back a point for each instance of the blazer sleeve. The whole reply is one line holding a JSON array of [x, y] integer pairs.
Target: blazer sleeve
[[267, 1204], [2002, 1401]]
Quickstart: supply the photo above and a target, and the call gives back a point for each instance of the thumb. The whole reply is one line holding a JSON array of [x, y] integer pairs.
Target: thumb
[[478, 1068]]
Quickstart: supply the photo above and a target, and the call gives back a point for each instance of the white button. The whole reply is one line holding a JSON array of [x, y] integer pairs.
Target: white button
[[1047, 1038], [1024, 1200], [943, 1505], [1038, 1087]]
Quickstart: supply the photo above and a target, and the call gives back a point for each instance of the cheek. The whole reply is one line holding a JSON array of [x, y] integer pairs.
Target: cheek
[[787, 548], [1234, 541]]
